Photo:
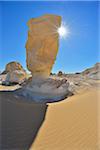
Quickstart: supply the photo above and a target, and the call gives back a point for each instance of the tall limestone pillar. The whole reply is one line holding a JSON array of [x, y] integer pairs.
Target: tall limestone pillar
[[42, 44]]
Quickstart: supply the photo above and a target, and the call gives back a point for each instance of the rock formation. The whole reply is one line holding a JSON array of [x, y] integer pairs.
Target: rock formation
[[14, 73], [42, 44], [93, 72], [12, 66], [41, 50], [16, 76], [60, 73]]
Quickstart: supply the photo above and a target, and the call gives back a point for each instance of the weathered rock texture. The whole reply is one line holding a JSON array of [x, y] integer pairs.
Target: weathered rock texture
[[12, 66], [46, 90], [14, 73], [42, 44], [93, 72], [16, 76]]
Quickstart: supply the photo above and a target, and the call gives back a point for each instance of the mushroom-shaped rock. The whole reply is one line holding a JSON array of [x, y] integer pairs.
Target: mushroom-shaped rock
[[41, 50]]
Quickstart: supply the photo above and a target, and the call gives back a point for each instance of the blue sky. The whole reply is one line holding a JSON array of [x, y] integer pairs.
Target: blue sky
[[77, 52]]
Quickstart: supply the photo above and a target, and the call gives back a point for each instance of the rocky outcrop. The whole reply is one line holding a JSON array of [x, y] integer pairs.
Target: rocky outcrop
[[16, 76], [93, 72], [60, 73], [42, 44], [14, 73], [12, 66]]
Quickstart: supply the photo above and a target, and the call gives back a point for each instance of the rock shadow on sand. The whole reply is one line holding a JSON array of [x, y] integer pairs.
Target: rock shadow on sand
[[20, 121]]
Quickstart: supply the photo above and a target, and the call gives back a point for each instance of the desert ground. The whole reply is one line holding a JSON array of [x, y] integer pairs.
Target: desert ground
[[71, 124]]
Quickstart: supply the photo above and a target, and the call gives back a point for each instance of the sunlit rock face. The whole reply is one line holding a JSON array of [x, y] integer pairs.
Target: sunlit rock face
[[16, 76], [14, 73], [12, 66], [42, 44], [41, 50]]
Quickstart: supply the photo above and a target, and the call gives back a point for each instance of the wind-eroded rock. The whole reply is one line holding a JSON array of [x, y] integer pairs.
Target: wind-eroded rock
[[46, 90], [12, 66], [16, 76], [14, 72], [41, 49], [93, 72], [42, 44]]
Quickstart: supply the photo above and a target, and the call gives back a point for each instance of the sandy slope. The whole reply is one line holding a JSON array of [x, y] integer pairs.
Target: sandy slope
[[71, 124]]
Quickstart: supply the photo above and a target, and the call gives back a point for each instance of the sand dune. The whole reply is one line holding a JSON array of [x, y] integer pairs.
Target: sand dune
[[71, 124]]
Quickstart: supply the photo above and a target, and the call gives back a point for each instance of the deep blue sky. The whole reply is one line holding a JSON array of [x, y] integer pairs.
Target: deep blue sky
[[77, 52]]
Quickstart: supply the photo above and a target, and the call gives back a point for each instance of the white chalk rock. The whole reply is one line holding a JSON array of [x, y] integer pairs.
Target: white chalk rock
[[16, 76], [46, 90]]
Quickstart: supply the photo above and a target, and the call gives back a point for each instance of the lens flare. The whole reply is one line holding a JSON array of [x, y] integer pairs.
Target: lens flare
[[63, 31]]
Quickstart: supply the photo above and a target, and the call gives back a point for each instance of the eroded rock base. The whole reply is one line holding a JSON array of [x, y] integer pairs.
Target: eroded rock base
[[46, 90]]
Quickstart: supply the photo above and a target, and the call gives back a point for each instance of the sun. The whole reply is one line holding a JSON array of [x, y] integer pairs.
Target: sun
[[63, 31]]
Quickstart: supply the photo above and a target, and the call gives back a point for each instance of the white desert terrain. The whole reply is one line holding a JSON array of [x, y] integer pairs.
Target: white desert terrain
[[48, 112], [72, 123]]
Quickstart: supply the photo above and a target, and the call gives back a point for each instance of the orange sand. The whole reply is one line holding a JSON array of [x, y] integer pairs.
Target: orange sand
[[72, 124]]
